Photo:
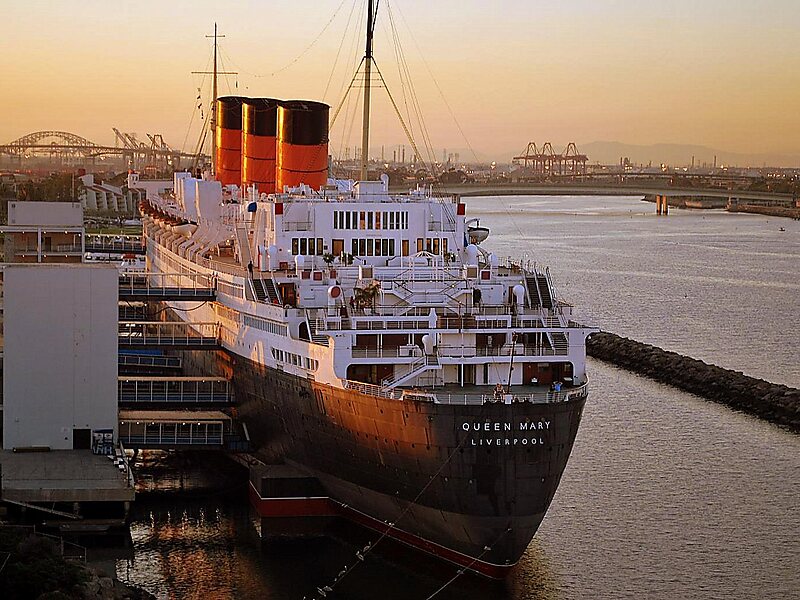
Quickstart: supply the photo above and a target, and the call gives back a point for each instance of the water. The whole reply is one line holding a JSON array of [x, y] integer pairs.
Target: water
[[666, 495]]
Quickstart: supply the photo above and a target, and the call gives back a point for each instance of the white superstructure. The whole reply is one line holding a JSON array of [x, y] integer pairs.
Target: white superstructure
[[356, 287]]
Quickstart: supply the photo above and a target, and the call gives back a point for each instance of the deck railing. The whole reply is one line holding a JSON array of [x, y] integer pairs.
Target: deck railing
[[544, 396]]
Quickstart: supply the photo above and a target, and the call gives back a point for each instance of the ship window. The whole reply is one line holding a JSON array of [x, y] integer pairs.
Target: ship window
[[444, 245], [362, 221], [370, 247], [362, 247], [347, 220], [353, 220], [320, 247], [420, 246], [354, 249], [295, 246], [303, 246], [405, 220], [405, 248], [377, 220], [427, 244], [336, 219], [370, 217], [392, 222], [391, 248], [436, 245]]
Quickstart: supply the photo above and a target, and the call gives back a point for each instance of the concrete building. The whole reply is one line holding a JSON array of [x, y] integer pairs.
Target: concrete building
[[40, 232], [98, 196], [60, 355]]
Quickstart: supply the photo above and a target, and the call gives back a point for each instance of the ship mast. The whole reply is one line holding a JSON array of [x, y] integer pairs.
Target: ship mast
[[367, 73], [213, 120]]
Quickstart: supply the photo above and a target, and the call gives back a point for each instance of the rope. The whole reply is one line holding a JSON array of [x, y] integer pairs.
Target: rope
[[464, 569], [297, 58], [370, 547], [339, 50]]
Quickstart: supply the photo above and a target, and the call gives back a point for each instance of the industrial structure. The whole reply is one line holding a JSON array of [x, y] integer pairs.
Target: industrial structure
[[543, 161], [68, 149]]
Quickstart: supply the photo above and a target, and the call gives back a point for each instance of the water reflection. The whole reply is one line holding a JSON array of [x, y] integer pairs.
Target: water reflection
[[206, 548]]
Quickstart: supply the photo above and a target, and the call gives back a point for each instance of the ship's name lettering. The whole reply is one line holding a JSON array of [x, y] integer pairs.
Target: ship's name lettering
[[508, 441], [498, 426]]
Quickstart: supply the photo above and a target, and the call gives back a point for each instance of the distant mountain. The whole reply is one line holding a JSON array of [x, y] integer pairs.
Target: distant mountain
[[681, 155]]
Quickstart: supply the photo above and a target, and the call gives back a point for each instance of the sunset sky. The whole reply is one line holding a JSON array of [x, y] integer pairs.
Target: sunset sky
[[720, 73]]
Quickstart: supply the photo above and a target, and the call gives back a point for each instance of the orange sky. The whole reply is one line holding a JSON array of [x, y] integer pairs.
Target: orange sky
[[724, 74]]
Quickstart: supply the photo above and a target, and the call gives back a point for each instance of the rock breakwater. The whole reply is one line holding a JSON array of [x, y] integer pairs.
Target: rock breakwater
[[770, 401]]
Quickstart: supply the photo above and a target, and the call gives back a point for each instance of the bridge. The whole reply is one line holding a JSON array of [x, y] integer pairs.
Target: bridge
[[175, 391], [165, 286], [634, 188], [173, 335], [153, 364], [69, 147], [104, 243], [158, 429]]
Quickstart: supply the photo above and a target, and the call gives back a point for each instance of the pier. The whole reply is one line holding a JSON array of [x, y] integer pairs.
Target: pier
[[778, 404]]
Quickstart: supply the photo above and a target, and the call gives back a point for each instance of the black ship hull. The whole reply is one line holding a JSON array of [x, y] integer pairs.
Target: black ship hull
[[468, 483]]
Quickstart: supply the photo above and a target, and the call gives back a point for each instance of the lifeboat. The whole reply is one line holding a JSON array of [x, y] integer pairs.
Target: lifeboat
[[475, 232]]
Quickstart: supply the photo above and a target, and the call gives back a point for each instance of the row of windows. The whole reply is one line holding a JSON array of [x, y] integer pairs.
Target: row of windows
[[307, 247], [264, 325], [432, 245], [369, 219], [366, 247], [370, 247], [295, 359]]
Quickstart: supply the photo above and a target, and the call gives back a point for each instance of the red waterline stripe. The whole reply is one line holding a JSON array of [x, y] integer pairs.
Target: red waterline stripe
[[316, 507]]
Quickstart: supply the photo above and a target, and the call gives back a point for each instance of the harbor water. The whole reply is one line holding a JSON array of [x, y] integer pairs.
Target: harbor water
[[666, 495]]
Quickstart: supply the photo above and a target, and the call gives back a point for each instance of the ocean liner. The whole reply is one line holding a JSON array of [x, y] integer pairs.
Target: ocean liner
[[432, 389]]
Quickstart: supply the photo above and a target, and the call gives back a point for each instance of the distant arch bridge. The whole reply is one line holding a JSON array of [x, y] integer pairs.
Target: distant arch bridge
[[70, 147]]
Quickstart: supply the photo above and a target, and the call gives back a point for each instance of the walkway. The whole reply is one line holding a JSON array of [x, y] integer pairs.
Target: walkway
[[180, 392], [165, 286]]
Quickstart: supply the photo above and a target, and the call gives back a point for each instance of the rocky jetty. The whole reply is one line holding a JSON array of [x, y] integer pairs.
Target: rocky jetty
[[775, 403]]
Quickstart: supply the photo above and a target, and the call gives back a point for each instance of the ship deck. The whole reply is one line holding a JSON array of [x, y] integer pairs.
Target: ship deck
[[481, 394]]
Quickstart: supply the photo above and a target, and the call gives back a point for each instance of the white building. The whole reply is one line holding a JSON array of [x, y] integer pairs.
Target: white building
[[60, 356], [107, 198], [44, 232]]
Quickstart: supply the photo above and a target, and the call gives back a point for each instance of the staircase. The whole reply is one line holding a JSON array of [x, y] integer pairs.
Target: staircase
[[259, 291], [313, 327], [544, 291], [244, 245], [425, 363], [560, 343], [273, 293], [266, 291], [533, 292]]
